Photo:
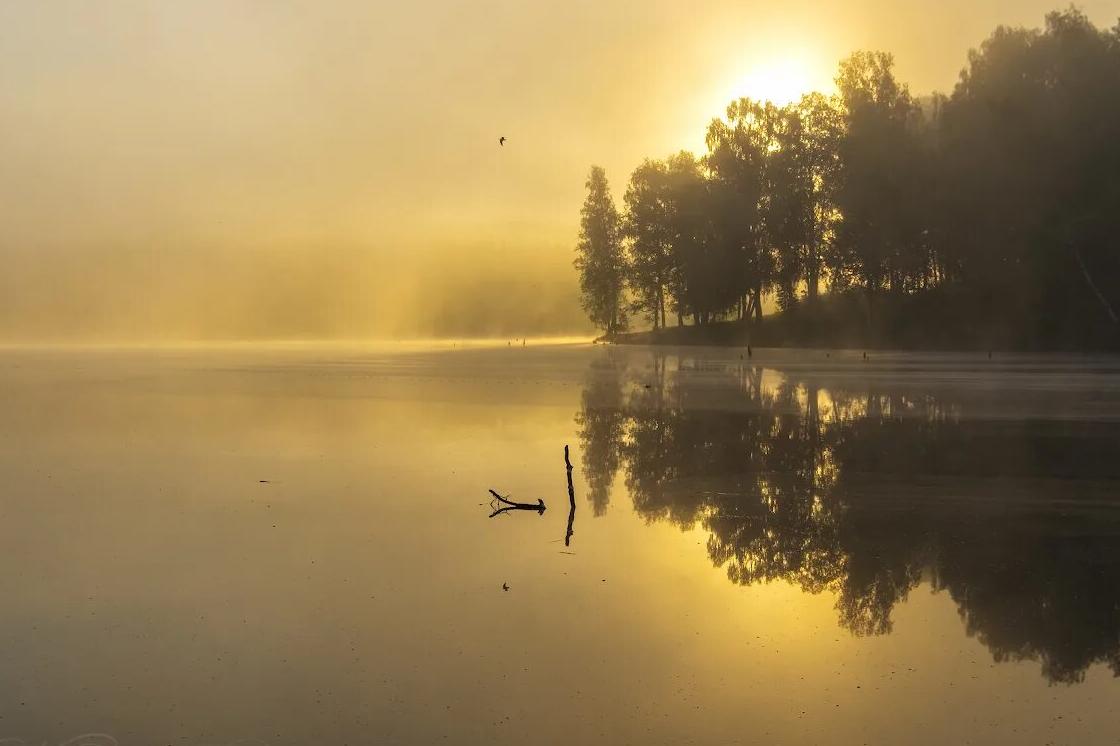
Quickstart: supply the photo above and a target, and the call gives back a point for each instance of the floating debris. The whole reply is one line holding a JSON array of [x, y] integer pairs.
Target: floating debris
[[511, 505]]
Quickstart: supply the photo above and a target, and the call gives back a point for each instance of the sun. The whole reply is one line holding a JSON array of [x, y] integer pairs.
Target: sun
[[781, 80], [782, 77]]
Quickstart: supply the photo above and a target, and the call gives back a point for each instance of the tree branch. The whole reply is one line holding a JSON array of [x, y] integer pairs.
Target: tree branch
[[511, 505]]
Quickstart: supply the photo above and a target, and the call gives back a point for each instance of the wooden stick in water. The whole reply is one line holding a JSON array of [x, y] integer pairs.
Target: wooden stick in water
[[571, 499]]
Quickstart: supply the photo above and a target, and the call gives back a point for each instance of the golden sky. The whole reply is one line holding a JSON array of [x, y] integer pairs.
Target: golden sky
[[244, 169]]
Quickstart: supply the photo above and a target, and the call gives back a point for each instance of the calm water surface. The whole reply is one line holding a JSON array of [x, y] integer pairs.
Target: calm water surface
[[292, 546]]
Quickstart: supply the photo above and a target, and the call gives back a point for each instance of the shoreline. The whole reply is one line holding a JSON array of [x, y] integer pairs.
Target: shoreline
[[772, 333]]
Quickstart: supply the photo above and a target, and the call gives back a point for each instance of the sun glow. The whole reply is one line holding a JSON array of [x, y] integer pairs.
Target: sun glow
[[781, 76], [781, 80]]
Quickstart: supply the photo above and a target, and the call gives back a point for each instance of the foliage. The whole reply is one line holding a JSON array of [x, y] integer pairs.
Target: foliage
[[1003, 197], [599, 256]]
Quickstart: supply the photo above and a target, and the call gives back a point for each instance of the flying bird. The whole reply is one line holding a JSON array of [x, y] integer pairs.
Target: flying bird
[[502, 141]]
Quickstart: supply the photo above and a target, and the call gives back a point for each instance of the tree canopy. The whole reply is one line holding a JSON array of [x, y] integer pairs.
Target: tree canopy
[[987, 217], [599, 259]]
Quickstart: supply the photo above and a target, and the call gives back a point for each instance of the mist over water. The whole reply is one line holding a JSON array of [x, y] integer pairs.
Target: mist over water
[[305, 438], [233, 170], [290, 294], [270, 543]]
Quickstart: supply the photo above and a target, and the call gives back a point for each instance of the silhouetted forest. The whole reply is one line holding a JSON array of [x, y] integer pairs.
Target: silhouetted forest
[[866, 493], [986, 218]]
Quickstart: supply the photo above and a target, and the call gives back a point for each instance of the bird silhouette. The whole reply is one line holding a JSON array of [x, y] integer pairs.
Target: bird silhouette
[[502, 140]]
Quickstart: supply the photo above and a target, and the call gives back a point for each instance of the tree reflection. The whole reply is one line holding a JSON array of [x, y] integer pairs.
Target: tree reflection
[[867, 493], [602, 419]]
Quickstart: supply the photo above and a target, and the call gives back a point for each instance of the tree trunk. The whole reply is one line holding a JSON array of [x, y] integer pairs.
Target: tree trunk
[[812, 281], [870, 315]]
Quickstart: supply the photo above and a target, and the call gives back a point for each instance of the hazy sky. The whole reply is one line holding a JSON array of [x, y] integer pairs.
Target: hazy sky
[[246, 169]]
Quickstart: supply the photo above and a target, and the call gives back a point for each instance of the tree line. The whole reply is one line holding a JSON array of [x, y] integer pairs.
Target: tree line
[[988, 216]]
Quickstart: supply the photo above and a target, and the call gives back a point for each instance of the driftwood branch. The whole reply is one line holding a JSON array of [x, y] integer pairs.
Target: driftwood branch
[[538, 507], [571, 499], [500, 499]]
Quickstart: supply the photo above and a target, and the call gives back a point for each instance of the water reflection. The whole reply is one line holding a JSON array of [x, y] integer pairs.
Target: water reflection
[[602, 417], [866, 491]]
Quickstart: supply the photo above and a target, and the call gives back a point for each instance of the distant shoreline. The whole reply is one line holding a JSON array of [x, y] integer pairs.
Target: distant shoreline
[[776, 332]]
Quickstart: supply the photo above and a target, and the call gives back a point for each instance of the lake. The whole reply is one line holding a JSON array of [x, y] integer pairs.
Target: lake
[[293, 544]]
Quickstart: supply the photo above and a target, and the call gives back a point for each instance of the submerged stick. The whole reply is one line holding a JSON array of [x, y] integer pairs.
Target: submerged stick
[[571, 498]]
